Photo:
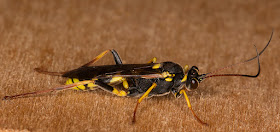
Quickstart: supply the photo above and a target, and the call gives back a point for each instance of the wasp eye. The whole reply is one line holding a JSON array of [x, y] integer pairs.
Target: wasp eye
[[193, 72], [194, 67], [194, 83]]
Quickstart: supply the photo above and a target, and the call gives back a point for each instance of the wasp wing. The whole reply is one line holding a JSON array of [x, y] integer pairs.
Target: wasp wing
[[123, 70]]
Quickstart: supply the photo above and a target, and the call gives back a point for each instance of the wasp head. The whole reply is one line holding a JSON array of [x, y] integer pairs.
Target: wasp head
[[193, 78]]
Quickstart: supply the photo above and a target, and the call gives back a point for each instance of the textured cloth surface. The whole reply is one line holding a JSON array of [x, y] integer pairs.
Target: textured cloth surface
[[63, 35]]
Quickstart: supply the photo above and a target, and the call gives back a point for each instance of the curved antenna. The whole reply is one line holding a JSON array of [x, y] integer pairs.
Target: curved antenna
[[242, 62], [243, 75], [262, 49]]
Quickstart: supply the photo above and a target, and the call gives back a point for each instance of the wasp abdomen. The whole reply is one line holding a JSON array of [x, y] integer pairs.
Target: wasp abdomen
[[90, 86]]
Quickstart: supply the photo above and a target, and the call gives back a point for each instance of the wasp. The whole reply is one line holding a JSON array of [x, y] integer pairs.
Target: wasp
[[138, 80]]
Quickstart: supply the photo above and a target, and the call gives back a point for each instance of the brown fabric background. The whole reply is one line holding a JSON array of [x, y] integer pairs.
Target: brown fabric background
[[62, 35]]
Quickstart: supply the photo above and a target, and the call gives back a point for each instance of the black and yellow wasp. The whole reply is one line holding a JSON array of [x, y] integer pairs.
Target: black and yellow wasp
[[137, 80]]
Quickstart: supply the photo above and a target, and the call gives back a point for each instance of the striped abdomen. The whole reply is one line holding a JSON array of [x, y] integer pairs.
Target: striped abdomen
[[89, 86]]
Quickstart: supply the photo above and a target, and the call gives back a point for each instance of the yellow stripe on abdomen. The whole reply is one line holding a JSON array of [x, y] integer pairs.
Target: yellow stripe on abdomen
[[75, 80]]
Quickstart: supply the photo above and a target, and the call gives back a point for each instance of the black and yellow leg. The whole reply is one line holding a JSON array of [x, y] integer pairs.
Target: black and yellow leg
[[114, 80], [141, 98], [63, 87], [117, 80], [190, 107], [61, 73], [110, 89], [153, 60], [96, 58], [115, 55]]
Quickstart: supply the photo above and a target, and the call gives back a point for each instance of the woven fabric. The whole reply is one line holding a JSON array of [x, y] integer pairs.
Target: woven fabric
[[63, 35]]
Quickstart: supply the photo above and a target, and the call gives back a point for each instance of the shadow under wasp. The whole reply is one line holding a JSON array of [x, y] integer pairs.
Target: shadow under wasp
[[138, 80]]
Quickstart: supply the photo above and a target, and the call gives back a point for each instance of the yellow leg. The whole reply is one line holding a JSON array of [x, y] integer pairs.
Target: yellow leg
[[153, 60], [190, 107], [119, 93], [117, 79], [141, 98], [186, 68], [125, 84], [97, 58]]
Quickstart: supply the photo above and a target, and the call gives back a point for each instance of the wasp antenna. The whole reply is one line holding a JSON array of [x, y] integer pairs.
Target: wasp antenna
[[244, 75], [243, 62], [263, 48]]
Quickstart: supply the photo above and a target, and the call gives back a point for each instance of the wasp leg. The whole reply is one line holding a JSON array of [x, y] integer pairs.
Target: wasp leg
[[61, 73], [153, 60], [96, 58], [141, 98], [63, 87], [117, 80], [110, 89], [39, 70], [190, 107], [115, 55]]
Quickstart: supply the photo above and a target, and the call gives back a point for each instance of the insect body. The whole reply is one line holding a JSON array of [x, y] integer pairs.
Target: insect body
[[137, 80]]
